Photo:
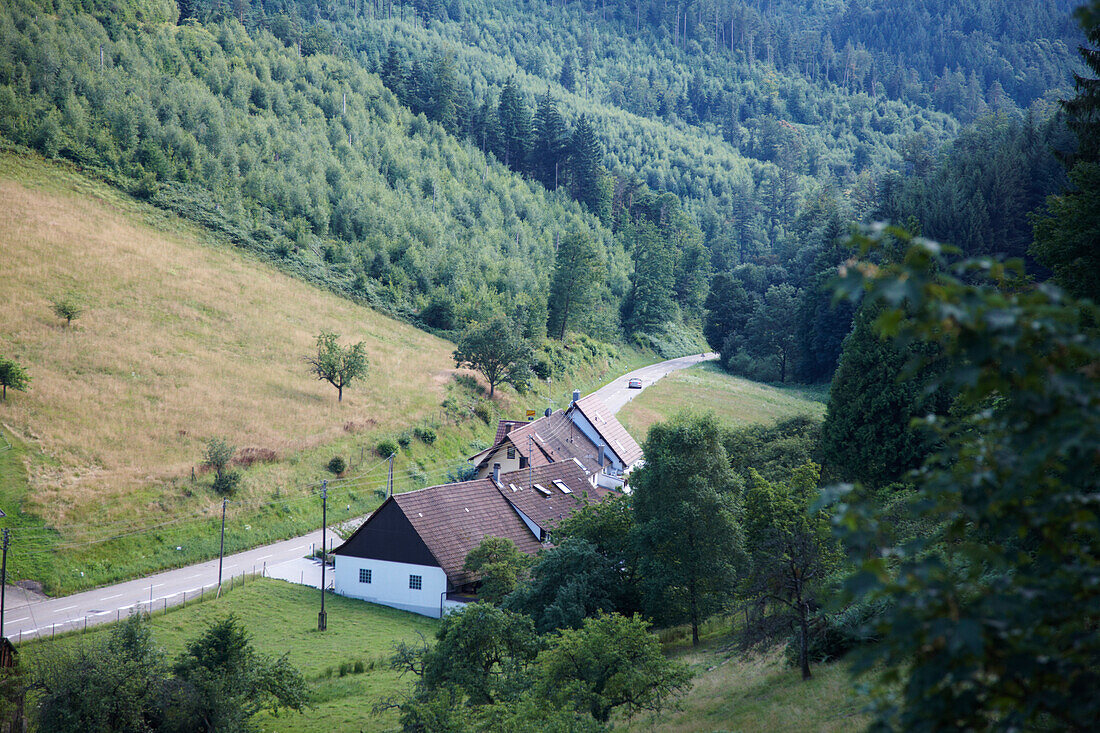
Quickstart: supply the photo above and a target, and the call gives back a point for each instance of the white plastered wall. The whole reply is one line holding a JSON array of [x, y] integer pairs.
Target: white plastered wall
[[389, 584]]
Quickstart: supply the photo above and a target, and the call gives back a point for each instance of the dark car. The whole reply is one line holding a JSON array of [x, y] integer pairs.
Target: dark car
[[634, 383]]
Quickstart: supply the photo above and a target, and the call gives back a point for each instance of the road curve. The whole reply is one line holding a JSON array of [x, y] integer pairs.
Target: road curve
[[27, 619]]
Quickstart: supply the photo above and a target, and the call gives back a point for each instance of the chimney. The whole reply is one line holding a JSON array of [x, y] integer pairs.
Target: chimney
[[599, 454], [496, 473], [576, 395]]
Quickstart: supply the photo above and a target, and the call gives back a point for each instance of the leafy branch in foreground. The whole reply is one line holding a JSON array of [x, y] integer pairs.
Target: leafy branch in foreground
[[990, 620]]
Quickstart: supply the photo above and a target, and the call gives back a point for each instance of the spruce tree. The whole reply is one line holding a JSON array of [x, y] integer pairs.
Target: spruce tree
[[515, 127], [868, 435], [551, 143], [585, 165], [1067, 236], [728, 308], [568, 78]]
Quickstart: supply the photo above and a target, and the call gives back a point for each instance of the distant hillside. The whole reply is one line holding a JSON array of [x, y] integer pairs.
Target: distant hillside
[[308, 160]]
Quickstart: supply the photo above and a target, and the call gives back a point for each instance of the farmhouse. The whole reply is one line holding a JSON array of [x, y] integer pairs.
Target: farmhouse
[[410, 553], [586, 432]]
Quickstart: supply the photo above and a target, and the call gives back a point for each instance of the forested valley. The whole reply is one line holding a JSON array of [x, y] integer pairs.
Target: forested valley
[[894, 202]]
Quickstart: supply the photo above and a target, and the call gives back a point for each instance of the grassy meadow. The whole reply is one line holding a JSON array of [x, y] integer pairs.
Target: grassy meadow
[[757, 692], [733, 400], [282, 619], [733, 690]]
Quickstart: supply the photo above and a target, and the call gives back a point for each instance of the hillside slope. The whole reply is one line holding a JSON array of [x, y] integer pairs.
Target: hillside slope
[[181, 341]]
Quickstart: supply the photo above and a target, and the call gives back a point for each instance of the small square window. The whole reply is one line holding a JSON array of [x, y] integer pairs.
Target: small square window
[[512, 453], [415, 582], [364, 575]]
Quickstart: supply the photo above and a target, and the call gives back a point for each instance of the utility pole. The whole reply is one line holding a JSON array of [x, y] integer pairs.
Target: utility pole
[[4, 578], [221, 550], [322, 617], [391, 473]]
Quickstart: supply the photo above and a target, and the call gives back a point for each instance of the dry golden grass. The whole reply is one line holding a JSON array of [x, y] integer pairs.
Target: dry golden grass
[[180, 341]]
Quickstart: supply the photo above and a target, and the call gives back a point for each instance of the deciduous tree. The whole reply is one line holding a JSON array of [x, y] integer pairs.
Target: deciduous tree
[[611, 663], [338, 365], [989, 616], [791, 545], [497, 351], [498, 565], [578, 272], [689, 540], [12, 375]]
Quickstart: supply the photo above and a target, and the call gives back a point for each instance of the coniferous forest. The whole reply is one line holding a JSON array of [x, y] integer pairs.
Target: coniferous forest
[[899, 199]]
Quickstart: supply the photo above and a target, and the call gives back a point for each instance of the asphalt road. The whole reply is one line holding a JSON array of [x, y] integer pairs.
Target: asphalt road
[[616, 394], [30, 617]]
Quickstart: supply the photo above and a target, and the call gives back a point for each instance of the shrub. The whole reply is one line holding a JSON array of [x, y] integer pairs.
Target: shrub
[[467, 472], [468, 382], [418, 476], [425, 434], [337, 465], [225, 483], [484, 410], [540, 365], [387, 447]]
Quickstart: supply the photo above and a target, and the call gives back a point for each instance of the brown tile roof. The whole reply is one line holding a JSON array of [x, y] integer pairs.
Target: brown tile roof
[[504, 427], [452, 519], [547, 508], [618, 440], [553, 439]]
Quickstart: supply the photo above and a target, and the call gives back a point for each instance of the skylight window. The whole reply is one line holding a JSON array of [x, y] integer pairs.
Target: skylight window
[[564, 489]]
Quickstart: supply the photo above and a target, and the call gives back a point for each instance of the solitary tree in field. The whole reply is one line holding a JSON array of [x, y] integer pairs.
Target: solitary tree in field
[[336, 364], [69, 307], [497, 351], [12, 375]]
